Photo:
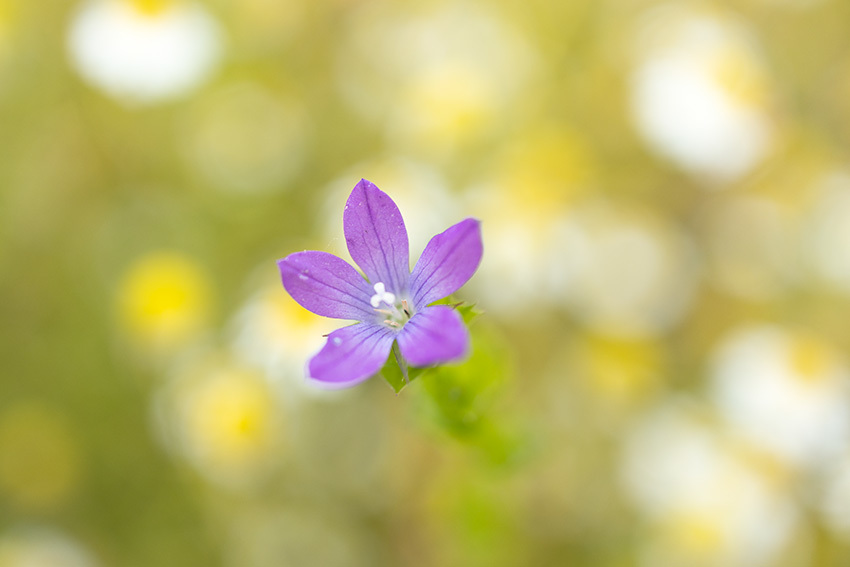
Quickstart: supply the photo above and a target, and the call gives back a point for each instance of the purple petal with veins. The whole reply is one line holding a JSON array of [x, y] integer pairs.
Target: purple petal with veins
[[326, 285], [433, 336], [376, 237], [351, 355], [449, 260]]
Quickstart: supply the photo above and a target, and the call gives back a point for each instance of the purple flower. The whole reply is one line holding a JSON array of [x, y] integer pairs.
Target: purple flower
[[392, 304]]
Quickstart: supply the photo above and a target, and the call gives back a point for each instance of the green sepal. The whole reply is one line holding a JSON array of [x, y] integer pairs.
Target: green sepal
[[392, 374], [396, 371], [468, 311]]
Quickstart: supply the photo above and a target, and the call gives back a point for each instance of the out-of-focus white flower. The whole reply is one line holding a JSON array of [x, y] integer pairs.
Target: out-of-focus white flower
[[753, 245], [144, 51], [785, 393], [40, 547], [834, 503], [272, 332], [620, 272], [633, 274], [222, 417], [523, 203], [436, 78], [698, 94], [519, 269], [706, 504], [829, 233], [244, 138]]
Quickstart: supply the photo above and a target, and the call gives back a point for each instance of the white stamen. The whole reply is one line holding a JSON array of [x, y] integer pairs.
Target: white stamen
[[381, 294]]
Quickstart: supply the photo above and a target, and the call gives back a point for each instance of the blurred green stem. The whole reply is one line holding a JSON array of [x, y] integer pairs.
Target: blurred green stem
[[401, 362]]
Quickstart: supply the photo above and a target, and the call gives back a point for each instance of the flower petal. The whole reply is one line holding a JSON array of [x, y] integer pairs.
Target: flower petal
[[326, 285], [447, 263], [351, 355], [433, 336], [376, 237]]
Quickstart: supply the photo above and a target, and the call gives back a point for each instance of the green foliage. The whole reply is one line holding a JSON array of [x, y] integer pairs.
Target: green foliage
[[461, 400]]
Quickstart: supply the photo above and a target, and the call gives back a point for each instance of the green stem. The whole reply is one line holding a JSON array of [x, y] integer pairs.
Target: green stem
[[401, 362]]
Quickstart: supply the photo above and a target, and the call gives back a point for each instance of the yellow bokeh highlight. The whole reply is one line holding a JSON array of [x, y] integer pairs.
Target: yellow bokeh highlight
[[286, 309], [152, 8], [7, 11], [535, 182], [809, 358], [7, 17], [548, 168], [39, 459], [164, 299], [774, 473], [279, 323], [696, 535], [739, 75], [671, 26], [710, 38], [623, 370], [450, 104], [228, 420]]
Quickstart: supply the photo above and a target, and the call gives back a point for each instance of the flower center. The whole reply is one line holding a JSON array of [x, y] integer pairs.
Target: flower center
[[382, 295], [151, 8], [392, 311]]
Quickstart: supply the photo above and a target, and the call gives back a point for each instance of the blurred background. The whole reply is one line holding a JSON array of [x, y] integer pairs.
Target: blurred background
[[659, 378]]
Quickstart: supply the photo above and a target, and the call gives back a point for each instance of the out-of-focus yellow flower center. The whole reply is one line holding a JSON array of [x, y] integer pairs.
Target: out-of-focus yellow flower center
[[548, 169], [164, 299], [736, 72], [39, 461], [152, 8], [775, 473], [810, 359], [697, 534], [450, 104], [623, 370], [229, 419], [288, 310]]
